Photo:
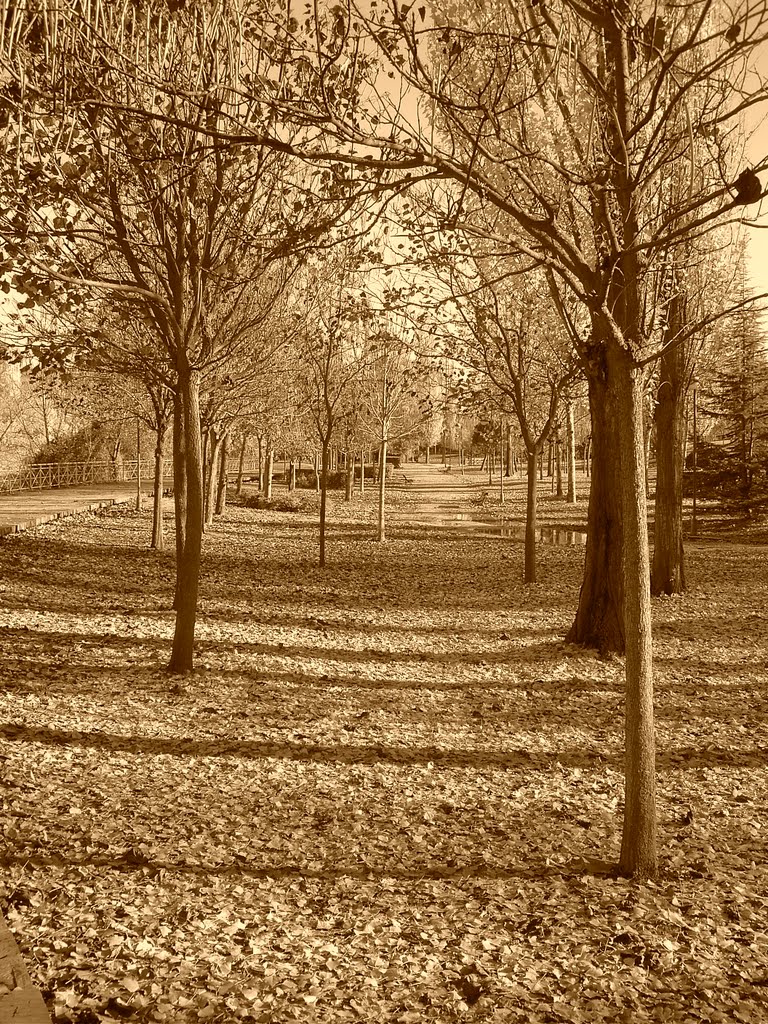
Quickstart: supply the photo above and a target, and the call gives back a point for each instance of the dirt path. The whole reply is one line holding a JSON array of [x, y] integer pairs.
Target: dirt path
[[440, 494]]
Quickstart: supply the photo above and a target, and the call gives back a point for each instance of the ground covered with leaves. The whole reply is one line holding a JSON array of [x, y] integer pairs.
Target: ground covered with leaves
[[390, 791]]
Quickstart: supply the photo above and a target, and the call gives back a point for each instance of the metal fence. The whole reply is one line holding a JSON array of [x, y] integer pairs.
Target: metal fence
[[46, 475]]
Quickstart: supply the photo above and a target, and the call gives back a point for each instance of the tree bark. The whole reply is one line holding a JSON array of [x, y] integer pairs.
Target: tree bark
[[668, 571], [530, 516], [139, 502], [558, 464], [638, 857], [188, 568], [622, 339], [647, 438], [324, 465], [599, 619], [212, 476], [381, 526], [179, 486], [362, 470], [240, 464], [350, 475], [570, 444], [206, 439], [268, 471], [221, 490], [158, 537]]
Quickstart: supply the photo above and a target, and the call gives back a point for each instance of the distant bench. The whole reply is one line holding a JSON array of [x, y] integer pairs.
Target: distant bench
[[20, 1001]]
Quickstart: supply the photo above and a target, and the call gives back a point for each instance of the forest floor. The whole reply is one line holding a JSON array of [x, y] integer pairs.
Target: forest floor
[[389, 791]]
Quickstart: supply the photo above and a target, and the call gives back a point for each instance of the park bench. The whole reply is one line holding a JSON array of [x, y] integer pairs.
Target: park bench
[[20, 1001]]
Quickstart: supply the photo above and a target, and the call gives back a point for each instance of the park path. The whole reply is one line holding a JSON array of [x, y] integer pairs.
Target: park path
[[27, 509], [23, 510], [440, 493], [441, 498]]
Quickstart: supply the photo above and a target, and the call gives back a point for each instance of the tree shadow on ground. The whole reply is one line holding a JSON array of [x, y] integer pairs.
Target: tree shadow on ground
[[112, 575], [224, 746], [136, 861], [52, 641]]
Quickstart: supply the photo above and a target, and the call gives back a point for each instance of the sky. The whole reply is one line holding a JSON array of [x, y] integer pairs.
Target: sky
[[757, 153]]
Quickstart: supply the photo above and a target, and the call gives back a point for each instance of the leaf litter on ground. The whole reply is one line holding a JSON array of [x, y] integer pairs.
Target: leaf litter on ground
[[389, 791]]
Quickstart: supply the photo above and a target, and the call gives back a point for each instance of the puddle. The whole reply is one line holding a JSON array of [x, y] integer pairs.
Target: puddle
[[468, 522], [439, 511], [544, 535]]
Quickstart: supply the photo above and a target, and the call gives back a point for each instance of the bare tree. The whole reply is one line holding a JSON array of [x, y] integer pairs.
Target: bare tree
[[506, 329], [328, 353], [116, 196], [392, 372]]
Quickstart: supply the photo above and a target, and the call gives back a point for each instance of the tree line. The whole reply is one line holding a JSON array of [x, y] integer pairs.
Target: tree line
[[571, 174]]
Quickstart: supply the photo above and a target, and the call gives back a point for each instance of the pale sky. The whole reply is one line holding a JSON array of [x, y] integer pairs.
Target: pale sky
[[757, 152]]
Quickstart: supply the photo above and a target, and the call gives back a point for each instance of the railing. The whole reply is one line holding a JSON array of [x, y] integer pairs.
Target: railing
[[42, 476]]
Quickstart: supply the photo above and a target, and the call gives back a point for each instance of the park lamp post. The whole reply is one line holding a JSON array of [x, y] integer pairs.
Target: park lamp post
[[694, 522]]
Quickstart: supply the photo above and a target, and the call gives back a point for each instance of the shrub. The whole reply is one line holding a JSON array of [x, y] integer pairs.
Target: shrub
[[89, 444], [305, 479], [280, 503]]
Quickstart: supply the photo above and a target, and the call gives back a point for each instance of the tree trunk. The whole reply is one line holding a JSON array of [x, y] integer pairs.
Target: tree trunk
[[570, 445], [158, 538], [292, 476], [221, 490], [317, 468], [558, 464], [206, 438], [139, 502], [638, 846], [188, 569], [260, 446], [213, 475], [324, 466], [268, 471], [179, 486], [530, 517], [647, 438], [668, 572], [362, 470], [599, 619], [240, 463], [381, 531], [350, 475], [502, 464], [114, 455]]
